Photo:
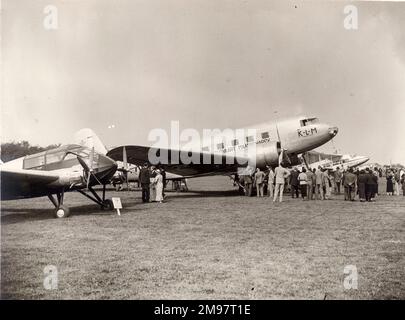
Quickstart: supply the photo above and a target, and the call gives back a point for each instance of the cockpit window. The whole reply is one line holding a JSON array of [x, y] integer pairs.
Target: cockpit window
[[41, 160], [309, 121], [34, 161]]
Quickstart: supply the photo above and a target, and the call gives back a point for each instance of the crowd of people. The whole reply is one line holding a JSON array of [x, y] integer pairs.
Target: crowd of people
[[153, 181], [321, 183], [308, 184], [395, 181]]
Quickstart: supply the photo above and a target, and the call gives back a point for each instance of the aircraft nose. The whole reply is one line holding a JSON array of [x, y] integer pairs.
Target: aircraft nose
[[107, 168], [105, 162], [333, 131]]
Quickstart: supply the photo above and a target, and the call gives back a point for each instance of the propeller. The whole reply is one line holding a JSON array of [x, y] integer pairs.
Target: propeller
[[125, 160], [124, 157], [283, 157], [88, 170]]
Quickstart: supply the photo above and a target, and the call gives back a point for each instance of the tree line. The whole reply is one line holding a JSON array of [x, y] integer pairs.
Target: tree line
[[13, 150]]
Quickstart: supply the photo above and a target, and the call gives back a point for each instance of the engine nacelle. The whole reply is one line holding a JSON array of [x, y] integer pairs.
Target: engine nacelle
[[267, 154]]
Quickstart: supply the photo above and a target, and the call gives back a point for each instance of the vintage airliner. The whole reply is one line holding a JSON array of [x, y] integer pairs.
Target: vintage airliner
[[272, 142], [80, 166]]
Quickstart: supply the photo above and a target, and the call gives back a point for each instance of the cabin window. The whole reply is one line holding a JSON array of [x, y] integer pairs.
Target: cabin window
[[265, 135], [34, 161], [54, 157], [220, 146], [249, 139], [235, 142]]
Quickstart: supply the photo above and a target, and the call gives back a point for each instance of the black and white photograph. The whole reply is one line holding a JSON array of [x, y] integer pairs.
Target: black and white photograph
[[201, 150]]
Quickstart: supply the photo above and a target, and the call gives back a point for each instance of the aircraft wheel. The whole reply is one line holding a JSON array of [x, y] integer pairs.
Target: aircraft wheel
[[62, 212], [108, 205]]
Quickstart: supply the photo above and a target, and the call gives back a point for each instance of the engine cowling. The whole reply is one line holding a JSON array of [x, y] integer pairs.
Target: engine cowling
[[267, 154]]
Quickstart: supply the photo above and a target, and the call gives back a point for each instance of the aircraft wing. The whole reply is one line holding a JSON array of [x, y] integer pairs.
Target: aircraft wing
[[17, 183], [219, 163], [27, 176]]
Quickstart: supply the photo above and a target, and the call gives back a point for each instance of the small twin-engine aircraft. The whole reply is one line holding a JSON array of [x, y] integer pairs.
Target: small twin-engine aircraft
[[272, 143], [72, 167]]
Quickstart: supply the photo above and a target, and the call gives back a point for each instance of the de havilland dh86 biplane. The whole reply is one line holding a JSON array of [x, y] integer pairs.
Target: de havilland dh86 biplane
[[71, 167]]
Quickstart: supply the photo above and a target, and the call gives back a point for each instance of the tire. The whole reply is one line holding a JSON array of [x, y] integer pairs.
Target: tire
[[107, 205], [62, 212]]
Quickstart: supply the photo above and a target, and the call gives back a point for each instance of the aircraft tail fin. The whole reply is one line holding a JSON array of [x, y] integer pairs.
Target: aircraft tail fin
[[86, 137]]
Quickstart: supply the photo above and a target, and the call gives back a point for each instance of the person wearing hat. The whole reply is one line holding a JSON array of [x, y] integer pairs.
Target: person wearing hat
[[144, 179], [362, 185], [158, 182], [318, 183], [350, 184], [338, 175], [294, 183]]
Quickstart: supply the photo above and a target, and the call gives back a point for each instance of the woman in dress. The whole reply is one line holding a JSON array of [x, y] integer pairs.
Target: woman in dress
[[152, 190], [390, 185], [159, 186]]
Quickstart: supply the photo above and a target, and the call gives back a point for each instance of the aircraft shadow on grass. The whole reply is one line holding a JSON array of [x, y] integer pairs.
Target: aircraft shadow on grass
[[16, 215], [203, 194]]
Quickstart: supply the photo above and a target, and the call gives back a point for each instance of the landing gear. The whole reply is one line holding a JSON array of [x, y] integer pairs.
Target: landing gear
[[105, 204], [61, 211], [237, 182]]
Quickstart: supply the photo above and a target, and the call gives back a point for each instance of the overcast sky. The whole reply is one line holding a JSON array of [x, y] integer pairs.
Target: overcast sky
[[208, 64]]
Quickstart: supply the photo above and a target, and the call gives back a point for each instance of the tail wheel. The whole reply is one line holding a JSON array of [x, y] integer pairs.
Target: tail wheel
[[107, 204], [62, 212]]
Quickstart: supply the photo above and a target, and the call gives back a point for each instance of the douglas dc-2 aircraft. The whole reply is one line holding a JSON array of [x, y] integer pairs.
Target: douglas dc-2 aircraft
[[54, 172], [273, 143]]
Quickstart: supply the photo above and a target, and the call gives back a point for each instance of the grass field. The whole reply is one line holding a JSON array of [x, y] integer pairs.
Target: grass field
[[208, 243]]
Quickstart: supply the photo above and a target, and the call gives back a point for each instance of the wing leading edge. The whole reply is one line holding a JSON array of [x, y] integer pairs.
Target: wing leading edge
[[181, 162]]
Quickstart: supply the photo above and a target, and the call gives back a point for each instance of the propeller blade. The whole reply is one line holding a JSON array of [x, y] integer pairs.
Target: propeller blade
[[83, 164], [278, 134], [91, 159], [280, 157], [284, 158], [124, 158]]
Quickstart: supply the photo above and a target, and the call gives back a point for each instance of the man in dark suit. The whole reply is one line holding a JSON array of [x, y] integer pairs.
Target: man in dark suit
[[294, 183], [371, 184], [362, 186], [350, 184], [144, 179]]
